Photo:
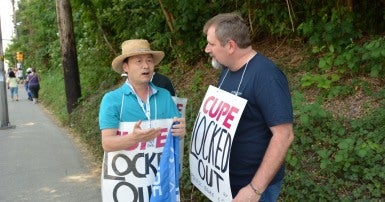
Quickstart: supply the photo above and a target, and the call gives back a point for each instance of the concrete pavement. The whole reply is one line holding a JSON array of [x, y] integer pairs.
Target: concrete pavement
[[39, 161]]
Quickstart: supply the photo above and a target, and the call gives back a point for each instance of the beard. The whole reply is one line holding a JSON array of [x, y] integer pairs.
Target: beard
[[216, 65]]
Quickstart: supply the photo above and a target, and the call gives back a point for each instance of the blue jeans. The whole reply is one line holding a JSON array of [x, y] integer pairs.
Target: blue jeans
[[28, 92], [14, 91], [271, 193]]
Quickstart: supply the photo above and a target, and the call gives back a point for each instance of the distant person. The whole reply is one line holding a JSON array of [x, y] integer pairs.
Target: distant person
[[163, 81], [29, 70], [12, 85], [19, 74], [15, 70], [34, 85], [265, 130], [8, 71]]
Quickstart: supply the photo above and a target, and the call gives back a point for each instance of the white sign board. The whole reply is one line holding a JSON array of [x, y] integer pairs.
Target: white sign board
[[127, 175], [211, 141]]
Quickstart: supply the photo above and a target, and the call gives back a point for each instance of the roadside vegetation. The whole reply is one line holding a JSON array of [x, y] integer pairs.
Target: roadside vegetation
[[332, 52]]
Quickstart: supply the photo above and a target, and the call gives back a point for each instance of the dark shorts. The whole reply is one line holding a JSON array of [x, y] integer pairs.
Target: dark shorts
[[34, 91]]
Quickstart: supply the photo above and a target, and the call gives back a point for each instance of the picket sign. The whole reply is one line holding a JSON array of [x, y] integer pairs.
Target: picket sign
[[127, 175], [211, 141]]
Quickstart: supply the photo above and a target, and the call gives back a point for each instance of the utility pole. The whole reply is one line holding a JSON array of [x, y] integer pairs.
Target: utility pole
[[68, 54], [4, 118]]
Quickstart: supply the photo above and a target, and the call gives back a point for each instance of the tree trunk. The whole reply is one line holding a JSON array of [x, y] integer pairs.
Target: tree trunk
[[349, 4], [168, 16], [69, 54]]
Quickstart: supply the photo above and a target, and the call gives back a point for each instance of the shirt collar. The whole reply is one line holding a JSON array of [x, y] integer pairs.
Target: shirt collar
[[127, 90]]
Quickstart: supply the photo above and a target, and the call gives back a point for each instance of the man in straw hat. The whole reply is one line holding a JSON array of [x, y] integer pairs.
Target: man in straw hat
[[134, 120], [137, 99]]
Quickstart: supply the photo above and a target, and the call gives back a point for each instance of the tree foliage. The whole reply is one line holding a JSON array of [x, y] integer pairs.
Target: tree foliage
[[343, 38]]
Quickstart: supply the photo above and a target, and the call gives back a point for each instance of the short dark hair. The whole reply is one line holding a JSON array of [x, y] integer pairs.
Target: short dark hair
[[11, 74]]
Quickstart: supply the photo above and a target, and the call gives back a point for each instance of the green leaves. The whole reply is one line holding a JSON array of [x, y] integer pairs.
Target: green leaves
[[323, 81], [332, 158]]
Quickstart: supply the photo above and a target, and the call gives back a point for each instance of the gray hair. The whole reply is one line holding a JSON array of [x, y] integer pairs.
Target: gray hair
[[229, 26]]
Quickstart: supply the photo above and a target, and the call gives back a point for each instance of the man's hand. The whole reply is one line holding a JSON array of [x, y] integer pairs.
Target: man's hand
[[247, 194], [179, 129], [140, 135]]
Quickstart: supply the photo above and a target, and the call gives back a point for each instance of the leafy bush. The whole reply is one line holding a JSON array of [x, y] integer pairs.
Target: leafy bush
[[343, 159], [353, 60]]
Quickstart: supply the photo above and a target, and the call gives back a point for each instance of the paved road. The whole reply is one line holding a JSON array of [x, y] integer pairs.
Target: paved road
[[38, 160]]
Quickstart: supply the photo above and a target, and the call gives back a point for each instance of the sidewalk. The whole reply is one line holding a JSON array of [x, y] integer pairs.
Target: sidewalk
[[38, 160]]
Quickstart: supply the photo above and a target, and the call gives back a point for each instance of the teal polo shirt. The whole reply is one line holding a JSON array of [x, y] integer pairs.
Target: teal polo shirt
[[162, 106]]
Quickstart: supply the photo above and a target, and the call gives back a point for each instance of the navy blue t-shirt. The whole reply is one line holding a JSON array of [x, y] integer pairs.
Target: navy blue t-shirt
[[266, 90]]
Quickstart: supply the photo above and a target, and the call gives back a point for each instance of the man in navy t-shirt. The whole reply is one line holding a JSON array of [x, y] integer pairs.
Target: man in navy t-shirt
[[265, 131]]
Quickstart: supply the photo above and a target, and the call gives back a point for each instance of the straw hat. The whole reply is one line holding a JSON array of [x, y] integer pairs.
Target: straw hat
[[135, 47]]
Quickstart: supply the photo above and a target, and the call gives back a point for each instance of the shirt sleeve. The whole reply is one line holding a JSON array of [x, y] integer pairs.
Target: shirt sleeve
[[275, 99], [108, 112]]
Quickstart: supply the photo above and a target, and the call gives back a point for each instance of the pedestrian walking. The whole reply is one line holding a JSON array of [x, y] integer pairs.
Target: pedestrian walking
[[12, 85], [34, 85], [29, 70]]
